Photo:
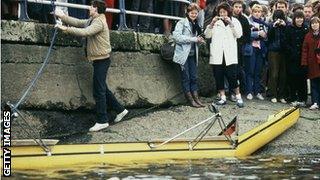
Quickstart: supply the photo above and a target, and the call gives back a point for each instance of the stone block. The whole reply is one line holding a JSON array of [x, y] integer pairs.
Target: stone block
[[124, 41], [33, 54], [34, 33], [137, 79], [150, 42]]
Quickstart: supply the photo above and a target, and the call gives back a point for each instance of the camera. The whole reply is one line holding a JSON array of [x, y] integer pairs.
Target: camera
[[278, 22], [220, 18], [202, 35], [261, 27]]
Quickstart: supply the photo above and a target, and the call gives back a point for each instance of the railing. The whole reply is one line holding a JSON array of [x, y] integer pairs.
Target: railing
[[122, 11]]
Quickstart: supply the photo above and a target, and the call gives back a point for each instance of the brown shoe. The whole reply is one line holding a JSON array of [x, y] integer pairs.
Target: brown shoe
[[191, 101], [196, 98]]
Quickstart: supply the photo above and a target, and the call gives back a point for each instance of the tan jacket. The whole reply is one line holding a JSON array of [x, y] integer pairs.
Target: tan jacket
[[97, 33]]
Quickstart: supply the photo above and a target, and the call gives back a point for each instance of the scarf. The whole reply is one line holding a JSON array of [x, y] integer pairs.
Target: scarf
[[260, 21], [195, 26]]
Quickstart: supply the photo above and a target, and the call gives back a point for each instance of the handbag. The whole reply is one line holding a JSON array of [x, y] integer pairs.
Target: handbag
[[167, 50]]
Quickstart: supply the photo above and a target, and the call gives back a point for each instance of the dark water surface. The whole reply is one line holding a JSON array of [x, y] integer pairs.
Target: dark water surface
[[254, 167]]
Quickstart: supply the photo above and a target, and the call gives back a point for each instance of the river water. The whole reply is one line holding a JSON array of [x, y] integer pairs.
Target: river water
[[253, 167]]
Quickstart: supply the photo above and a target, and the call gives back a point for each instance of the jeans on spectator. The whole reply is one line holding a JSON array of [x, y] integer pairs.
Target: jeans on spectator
[[101, 93], [241, 76], [40, 12], [157, 22], [315, 90], [171, 8], [143, 21], [253, 67], [78, 13], [189, 75]]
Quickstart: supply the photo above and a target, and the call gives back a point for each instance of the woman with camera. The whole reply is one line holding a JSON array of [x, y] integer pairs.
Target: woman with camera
[[311, 60], [187, 37], [277, 62], [224, 30]]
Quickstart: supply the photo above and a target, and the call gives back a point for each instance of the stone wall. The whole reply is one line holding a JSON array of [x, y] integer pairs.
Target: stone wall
[[138, 76]]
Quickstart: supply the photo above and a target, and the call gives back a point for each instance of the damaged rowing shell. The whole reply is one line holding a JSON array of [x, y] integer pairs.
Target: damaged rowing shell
[[32, 156]]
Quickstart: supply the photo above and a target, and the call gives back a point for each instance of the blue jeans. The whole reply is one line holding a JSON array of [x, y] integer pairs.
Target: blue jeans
[[315, 90], [253, 68], [101, 93], [189, 75], [143, 21], [241, 75], [78, 13]]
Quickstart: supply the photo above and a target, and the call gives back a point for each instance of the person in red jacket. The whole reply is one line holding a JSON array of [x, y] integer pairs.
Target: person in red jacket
[[109, 17], [202, 5], [311, 60]]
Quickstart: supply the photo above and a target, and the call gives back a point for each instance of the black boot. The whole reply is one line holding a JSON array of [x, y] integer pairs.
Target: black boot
[[191, 101]]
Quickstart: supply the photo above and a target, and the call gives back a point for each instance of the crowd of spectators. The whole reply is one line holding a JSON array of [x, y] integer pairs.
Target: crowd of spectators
[[279, 55]]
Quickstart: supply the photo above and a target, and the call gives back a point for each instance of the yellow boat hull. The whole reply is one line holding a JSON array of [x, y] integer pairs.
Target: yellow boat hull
[[33, 157]]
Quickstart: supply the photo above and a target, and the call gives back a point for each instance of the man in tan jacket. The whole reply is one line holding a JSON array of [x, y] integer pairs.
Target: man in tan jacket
[[98, 50]]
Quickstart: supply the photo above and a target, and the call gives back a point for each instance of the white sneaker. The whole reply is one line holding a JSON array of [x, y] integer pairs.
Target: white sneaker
[[249, 96], [240, 103], [233, 98], [218, 97], [283, 101], [274, 100], [298, 104], [301, 104], [259, 96], [121, 116], [98, 127], [314, 106], [295, 103], [221, 102]]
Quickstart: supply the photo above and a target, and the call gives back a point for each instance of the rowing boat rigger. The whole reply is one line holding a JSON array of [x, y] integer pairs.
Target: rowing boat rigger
[[32, 156]]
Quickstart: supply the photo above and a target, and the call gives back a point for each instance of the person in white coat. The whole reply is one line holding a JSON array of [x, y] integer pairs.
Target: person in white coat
[[224, 30]]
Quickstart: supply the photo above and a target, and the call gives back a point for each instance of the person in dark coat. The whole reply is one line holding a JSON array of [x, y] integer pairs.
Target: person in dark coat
[[311, 60], [277, 72], [237, 7], [297, 79]]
